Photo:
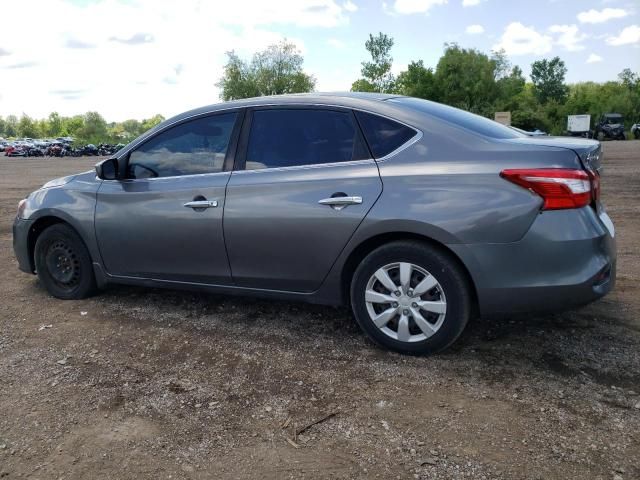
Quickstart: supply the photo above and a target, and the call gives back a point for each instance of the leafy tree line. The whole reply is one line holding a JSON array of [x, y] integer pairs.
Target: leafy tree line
[[464, 78], [88, 128], [484, 84]]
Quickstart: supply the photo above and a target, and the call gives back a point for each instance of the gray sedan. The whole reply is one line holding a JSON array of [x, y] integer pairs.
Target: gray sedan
[[417, 215]]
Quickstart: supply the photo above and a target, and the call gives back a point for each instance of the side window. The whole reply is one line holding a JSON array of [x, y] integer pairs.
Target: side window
[[293, 137], [193, 147], [383, 135]]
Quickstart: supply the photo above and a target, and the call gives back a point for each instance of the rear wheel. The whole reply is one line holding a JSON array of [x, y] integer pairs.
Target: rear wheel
[[411, 298], [63, 263]]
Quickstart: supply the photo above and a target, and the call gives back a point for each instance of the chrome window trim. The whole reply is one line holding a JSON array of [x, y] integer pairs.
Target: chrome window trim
[[416, 138], [173, 176], [304, 167]]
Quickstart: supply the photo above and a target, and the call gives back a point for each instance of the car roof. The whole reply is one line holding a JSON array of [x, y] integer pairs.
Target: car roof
[[346, 99]]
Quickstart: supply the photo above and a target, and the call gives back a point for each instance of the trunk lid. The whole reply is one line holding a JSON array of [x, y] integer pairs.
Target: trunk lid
[[589, 151]]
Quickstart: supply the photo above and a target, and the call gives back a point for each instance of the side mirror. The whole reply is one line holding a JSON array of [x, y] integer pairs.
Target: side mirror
[[107, 169]]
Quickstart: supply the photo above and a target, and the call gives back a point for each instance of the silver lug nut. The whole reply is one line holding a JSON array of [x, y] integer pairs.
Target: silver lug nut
[[397, 293], [394, 304], [405, 312], [414, 305], [410, 292]]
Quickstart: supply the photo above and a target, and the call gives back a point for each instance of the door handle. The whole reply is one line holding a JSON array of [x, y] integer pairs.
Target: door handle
[[201, 204], [339, 203]]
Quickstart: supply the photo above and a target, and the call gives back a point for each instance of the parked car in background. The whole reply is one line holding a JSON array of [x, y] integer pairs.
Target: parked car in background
[[89, 150], [610, 127], [57, 149], [16, 149], [417, 215], [635, 131]]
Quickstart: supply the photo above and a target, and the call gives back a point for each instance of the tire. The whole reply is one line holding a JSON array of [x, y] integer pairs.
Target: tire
[[636, 134], [63, 263], [451, 288]]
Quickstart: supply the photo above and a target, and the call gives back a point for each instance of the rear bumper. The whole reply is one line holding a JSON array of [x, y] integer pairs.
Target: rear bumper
[[21, 245], [566, 259]]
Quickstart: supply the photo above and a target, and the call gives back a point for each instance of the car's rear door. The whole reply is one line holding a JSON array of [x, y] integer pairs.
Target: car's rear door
[[304, 181], [164, 221]]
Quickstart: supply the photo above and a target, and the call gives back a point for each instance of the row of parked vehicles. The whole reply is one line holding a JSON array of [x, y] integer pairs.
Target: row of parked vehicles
[[59, 147]]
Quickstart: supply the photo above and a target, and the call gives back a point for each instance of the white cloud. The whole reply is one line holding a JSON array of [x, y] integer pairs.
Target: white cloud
[[349, 6], [474, 29], [169, 54], [335, 43], [519, 39], [470, 3], [416, 6], [601, 16], [570, 38], [593, 58], [628, 36]]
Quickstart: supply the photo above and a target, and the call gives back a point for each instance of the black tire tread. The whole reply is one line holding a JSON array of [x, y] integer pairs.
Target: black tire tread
[[87, 285]]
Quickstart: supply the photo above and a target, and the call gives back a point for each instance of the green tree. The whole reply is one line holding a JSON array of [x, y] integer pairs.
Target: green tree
[[54, 125], [3, 126], [417, 81], [629, 79], [72, 125], [501, 64], [377, 76], [11, 126], [276, 70], [548, 79], [93, 129], [465, 79], [27, 127], [509, 89], [149, 123]]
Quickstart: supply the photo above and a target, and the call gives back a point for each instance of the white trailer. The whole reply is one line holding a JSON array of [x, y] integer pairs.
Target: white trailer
[[579, 125]]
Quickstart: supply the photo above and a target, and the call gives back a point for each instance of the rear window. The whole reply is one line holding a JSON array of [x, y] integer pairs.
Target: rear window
[[383, 135], [467, 120]]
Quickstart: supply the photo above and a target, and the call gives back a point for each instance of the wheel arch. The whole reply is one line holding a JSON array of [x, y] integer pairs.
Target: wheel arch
[[367, 246], [40, 225]]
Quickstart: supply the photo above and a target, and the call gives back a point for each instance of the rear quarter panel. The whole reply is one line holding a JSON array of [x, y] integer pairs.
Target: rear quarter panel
[[449, 182]]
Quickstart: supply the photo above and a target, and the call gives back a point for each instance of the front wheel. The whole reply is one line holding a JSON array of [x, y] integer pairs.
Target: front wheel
[[411, 298], [63, 263]]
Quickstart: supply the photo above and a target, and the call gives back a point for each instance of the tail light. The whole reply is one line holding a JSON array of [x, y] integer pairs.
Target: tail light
[[559, 188], [595, 184]]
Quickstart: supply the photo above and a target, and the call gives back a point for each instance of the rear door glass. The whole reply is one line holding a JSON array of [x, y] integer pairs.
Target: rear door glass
[[382, 134], [296, 137]]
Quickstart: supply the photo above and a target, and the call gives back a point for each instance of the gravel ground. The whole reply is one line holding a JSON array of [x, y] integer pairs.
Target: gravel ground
[[142, 383]]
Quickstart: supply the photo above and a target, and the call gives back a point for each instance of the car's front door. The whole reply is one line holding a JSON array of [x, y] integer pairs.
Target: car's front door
[[164, 220], [304, 181]]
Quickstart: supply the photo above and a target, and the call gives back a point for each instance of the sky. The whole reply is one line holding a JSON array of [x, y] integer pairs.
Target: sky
[[135, 58]]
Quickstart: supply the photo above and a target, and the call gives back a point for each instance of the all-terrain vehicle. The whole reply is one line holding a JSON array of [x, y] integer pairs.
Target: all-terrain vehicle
[[610, 127]]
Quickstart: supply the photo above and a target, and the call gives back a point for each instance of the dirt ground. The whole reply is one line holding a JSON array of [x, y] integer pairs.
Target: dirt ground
[[142, 383]]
